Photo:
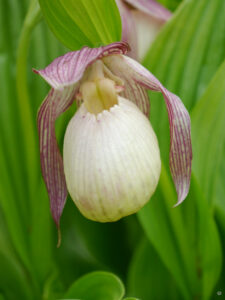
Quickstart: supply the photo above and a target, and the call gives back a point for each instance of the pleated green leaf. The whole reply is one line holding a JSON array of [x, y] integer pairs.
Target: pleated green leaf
[[24, 202], [147, 273], [98, 239], [12, 200], [11, 272], [220, 217], [97, 286], [209, 250], [219, 195], [11, 269], [83, 22], [171, 4], [165, 228], [208, 123], [131, 298], [183, 58]]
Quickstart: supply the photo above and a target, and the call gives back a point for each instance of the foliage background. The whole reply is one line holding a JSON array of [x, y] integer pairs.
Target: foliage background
[[160, 253]]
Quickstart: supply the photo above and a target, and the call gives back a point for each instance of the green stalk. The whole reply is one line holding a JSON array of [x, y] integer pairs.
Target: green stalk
[[24, 101], [25, 113]]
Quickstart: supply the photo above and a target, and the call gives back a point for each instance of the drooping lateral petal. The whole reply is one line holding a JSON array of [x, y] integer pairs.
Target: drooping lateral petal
[[152, 8], [179, 120], [132, 90], [63, 74], [51, 161]]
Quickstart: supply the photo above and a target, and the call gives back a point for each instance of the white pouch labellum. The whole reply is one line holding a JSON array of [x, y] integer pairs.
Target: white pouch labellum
[[111, 161]]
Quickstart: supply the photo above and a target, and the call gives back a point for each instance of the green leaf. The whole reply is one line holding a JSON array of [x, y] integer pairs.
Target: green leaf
[[11, 269], [219, 205], [13, 201], [208, 123], [23, 201], [84, 22], [97, 286], [147, 273], [170, 4], [183, 58], [209, 261], [219, 195], [11, 272], [164, 226], [97, 239], [202, 237]]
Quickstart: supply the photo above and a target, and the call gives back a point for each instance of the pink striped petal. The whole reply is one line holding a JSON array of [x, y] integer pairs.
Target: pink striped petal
[[179, 120], [63, 74], [152, 8], [69, 68], [50, 157]]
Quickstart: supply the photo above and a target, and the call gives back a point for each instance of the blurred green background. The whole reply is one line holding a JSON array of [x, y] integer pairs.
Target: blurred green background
[[160, 253]]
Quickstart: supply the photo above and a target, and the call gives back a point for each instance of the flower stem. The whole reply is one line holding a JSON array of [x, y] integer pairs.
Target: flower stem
[[24, 103]]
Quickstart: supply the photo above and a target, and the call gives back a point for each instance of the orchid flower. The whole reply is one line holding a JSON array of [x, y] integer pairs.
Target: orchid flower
[[111, 162], [141, 22]]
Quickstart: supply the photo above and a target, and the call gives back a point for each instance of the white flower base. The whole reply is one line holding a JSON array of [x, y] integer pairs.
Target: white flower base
[[111, 161]]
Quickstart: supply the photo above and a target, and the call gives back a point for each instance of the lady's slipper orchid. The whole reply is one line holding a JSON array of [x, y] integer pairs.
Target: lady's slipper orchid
[[111, 163], [141, 22]]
